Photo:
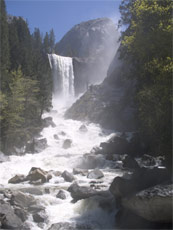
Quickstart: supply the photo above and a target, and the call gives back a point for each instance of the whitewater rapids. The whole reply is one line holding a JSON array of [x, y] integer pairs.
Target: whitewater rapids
[[54, 157]]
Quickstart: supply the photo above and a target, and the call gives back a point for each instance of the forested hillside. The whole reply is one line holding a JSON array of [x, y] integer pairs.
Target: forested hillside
[[25, 79], [146, 47]]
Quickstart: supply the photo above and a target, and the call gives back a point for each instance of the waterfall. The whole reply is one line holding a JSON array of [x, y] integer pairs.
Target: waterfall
[[63, 75]]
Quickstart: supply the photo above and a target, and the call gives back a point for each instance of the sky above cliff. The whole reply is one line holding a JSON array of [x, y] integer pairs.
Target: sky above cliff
[[61, 15]]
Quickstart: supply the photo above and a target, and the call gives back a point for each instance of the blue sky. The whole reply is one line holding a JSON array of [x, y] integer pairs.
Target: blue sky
[[61, 15]]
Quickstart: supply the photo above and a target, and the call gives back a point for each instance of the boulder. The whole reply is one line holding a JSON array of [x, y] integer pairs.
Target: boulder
[[68, 176], [56, 137], [17, 179], [130, 163], [91, 161], [115, 145], [141, 179], [35, 208], [82, 192], [70, 226], [83, 128], [61, 195], [153, 204], [67, 144], [39, 217], [36, 174], [32, 191], [83, 172], [8, 219], [48, 121], [95, 174], [21, 213], [23, 200], [36, 145]]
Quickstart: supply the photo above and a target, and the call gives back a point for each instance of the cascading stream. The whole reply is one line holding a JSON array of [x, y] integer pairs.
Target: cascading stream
[[56, 158]]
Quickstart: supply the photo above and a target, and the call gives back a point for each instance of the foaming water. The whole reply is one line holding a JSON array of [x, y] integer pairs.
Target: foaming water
[[56, 158]]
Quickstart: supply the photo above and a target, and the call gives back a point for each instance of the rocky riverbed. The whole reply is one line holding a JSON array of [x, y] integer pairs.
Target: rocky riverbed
[[79, 176]]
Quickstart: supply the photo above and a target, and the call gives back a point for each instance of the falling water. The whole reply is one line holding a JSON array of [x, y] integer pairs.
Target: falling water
[[56, 158], [63, 75]]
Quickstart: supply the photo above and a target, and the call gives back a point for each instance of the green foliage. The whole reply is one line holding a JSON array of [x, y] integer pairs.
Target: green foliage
[[146, 45], [26, 84]]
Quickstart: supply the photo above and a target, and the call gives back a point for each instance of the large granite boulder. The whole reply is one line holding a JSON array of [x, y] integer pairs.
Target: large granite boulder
[[153, 204], [68, 176], [8, 219], [95, 174]]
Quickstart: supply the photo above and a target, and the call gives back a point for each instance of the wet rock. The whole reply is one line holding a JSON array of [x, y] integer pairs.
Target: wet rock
[[40, 145], [17, 179], [22, 200], [70, 226], [61, 195], [32, 191], [21, 213], [147, 160], [56, 137], [82, 192], [130, 163], [83, 128], [35, 208], [39, 217], [67, 144], [83, 172], [95, 174], [141, 179], [62, 133], [36, 145], [8, 219], [68, 176], [153, 204], [48, 121], [36, 174], [115, 145], [56, 173]]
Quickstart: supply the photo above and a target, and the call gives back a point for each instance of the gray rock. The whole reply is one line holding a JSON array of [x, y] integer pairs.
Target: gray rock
[[36, 145], [83, 128], [83, 172], [61, 195], [48, 121], [130, 163], [8, 219], [95, 174], [22, 200], [82, 192], [68, 176], [39, 217], [70, 226], [56, 136], [35, 208], [67, 144], [17, 179], [36, 174], [21, 213], [32, 191], [153, 204]]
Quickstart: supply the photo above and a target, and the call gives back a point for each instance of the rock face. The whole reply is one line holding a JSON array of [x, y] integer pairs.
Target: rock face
[[91, 44], [110, 103], [153, 204]]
